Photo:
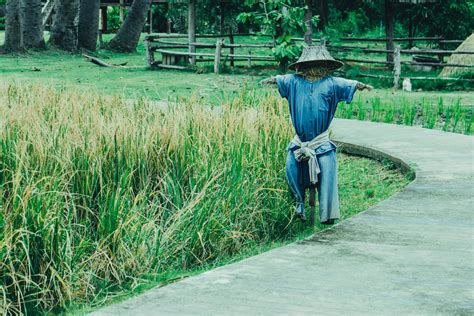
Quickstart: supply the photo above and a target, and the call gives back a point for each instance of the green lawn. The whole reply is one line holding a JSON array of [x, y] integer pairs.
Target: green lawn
[[62, 69]]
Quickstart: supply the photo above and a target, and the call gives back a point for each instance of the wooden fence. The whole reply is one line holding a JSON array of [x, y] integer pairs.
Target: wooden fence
[[176, 59], [173, 59]]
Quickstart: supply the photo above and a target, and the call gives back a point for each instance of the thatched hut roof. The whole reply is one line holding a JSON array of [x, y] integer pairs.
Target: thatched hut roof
[[462, 59]]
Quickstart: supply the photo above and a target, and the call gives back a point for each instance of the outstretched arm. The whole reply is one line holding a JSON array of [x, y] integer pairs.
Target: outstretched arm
[[268, 81], [362, 86]]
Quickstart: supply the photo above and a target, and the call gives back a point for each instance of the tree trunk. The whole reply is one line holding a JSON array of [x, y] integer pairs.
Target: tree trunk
[[222, 17], [389, 21], [308, 35], [64, 31], [410, 32], [89, 24], [13, 34], [103, 17], [129, 33], [323, 10], [32, 23]]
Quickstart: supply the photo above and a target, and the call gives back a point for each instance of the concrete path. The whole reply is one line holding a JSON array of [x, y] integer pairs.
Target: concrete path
[[411, 254]]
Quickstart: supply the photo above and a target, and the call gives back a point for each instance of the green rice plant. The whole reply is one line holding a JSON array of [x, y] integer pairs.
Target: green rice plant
[[447, 119], [100, 193], [389, 113], [361, 111], [468, 120], [440, 106], [408, 112], [429, 114], [349, 110], [457, 114], [376, 110]]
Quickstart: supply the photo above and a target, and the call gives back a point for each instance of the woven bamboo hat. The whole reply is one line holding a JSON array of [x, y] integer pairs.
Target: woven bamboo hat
[[316, 56]]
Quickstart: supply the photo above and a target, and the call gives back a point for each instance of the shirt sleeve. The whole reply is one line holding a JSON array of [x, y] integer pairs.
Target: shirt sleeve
[[344, 89], [283, 83]]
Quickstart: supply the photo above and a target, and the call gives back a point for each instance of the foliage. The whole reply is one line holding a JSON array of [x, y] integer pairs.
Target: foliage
[[113, 18], [452, 19], [99, 193], [283, 20]]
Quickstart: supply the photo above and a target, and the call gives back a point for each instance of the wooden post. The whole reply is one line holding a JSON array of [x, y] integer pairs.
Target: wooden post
[[249, 60], [101, 40], [323, 41], [192, 29], [231, 41], [217, 57], [103, 14], [150, 59], [312, 204], [168, 20], [397, 68], [121, 10], [150, 19]]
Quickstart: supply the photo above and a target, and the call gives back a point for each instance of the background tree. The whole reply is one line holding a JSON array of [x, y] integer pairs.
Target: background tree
[[283, 21], [308, 19], [129, 33], [32, 23], [88, 28], [457, 20], [64, 32], [13, 34], [323, 12], [389, 26]]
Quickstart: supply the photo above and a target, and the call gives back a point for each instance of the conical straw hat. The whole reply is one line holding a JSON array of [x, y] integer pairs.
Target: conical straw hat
[[316, 56]]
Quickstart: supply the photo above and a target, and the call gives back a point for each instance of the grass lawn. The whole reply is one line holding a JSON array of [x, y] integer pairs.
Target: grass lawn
[[62, 69]]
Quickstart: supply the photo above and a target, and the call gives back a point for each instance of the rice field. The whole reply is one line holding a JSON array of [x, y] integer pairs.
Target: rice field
[[452, 117], [100, 194]]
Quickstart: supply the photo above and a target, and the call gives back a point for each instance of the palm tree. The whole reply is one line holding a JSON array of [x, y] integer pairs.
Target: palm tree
[[129, 33], [64, 32], [89, 24], [32, 23], [13, 34]]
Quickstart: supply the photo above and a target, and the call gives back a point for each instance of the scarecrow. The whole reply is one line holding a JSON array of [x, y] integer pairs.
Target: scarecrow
[[313, 96]]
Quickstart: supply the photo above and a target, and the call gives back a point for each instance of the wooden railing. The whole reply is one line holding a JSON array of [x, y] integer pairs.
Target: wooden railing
[[177, 59]]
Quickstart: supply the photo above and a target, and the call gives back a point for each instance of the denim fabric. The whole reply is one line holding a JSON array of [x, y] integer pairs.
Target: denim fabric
[[328, 194], [312, 106]]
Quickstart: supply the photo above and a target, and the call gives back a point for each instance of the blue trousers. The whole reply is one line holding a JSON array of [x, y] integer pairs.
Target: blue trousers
[[297, 174]]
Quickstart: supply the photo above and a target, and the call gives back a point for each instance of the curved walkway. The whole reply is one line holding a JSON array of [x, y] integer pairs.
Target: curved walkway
[[411, 254]]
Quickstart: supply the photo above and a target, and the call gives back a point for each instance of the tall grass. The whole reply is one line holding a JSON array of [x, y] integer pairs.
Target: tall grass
[[98, 192]]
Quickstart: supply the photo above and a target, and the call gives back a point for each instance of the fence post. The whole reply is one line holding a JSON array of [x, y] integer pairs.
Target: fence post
[[217, 57], [397, 67], [323, 41], [249, 60], [150, 59], [231, 41]]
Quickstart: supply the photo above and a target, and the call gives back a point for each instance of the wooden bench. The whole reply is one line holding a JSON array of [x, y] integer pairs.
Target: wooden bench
[[173, 59]]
